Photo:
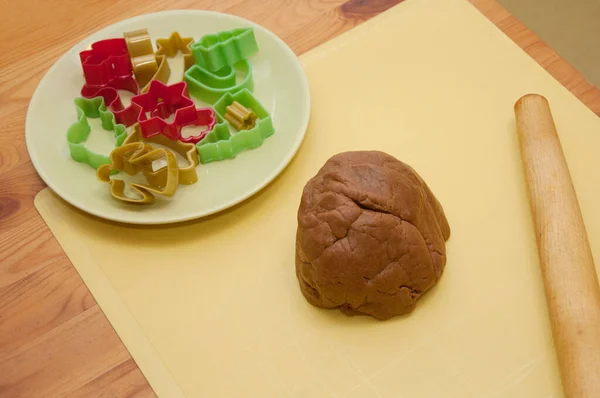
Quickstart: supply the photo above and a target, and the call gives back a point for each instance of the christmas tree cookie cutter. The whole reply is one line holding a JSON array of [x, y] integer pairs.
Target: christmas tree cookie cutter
[[79, 131], [138, 157], [187, 173], [209, 86], [228, 146], [147, 66], [174, 44], [226, 48]]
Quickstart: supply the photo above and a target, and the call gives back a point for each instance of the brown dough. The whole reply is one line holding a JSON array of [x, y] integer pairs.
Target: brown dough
[[370, 236]]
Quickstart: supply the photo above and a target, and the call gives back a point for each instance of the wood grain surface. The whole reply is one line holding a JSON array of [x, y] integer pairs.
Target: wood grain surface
[[54, 339]]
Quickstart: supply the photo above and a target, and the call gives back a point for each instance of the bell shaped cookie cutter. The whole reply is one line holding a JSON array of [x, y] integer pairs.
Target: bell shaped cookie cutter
[[226, 48], [187, 173], [138, 157], [209, 86], [79, 131], [228, 146]]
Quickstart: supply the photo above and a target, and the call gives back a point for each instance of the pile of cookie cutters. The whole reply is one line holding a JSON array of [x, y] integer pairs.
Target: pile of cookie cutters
[[148, 131]]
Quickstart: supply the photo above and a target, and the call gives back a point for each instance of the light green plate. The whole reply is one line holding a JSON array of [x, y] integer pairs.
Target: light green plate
[[280, 84]]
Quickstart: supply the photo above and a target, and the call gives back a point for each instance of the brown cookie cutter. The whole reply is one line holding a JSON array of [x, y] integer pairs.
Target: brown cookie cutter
[[240, 117], [187, 174], [135, 158], [147, 66], [174, 44]]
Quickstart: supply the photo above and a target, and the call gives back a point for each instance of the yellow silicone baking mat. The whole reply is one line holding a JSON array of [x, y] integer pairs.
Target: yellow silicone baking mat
[[212, 308]]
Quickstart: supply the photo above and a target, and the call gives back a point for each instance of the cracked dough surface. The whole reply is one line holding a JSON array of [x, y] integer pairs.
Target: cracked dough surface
[[371, 236]]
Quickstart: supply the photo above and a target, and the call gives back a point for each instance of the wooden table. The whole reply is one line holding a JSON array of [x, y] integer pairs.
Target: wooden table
[[54, 339]]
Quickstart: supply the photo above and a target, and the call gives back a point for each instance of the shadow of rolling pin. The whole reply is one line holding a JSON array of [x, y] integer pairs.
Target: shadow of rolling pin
[[570, 279]]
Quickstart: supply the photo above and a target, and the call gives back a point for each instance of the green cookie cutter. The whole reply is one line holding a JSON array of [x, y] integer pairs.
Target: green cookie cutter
[[79, 131], [219, 144], [210, 86], [216, 51]]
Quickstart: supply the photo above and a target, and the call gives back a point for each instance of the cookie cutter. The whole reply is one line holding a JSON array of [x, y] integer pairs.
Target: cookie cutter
[[161, 101], [240, 117], [143, 60], [147, 66], [226, 48], [174, 44], [184, 117], [124, 115], [204, 117], [106, 84], [227, 146], [187, 174], [106, 60], [209, 86], [215, 143], [79, 131], [138, 157]]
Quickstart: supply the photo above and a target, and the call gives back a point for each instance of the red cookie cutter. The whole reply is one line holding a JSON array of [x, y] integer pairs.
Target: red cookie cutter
[[127, 116], [105, 61], [204, 117], [183, 117], [161, 101]]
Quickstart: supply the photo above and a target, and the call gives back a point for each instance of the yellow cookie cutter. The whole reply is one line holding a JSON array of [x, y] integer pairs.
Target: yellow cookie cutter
[[138, 157], [240, 117], [174, 44], [187, 174], [146, 65]]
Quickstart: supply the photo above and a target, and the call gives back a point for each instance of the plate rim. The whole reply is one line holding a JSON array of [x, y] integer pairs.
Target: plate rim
[[193, 215]]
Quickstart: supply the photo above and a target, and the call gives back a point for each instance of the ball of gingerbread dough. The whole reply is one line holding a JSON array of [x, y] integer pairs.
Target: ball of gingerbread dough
[[371, 236]]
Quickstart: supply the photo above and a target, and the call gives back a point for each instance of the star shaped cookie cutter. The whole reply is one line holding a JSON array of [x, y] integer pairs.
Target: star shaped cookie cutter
[[138, 157], [209, 86], [226, 48], [187, 174], [174, 44], [79, 131], [220, 144], [160, 102]]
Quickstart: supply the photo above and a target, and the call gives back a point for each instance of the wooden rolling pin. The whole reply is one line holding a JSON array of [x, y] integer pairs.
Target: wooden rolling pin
[[570, 280]]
